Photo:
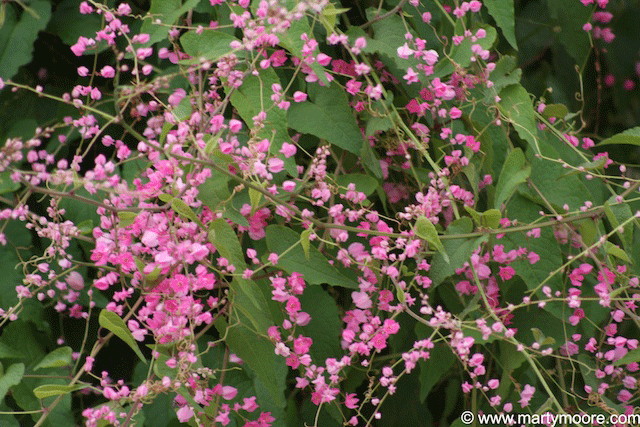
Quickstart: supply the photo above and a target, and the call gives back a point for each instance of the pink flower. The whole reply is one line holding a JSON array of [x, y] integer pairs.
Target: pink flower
[[302, 344], [235, 125], [288, 150], [609, 80], [361, 300], [624, 395], [299, 96], [184, 414], [249, 404], [88, 364], [293, 305], [75, 281], [85, 8], [404, 51], [526, 395], [379, 341], [275, 165], [506, 273], [82, 71], [229, 392], [96, 94], [351, 401], [78, 48], [107, 71], [628, 85]]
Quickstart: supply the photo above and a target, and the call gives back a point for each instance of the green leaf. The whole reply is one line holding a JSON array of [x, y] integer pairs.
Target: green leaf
[[235, 217], [79, 210], [316, 270], [184, 392], [516, 106], [49, 390], [210, 45], [253, 97], [491, 219], [588, 230], [7, 185], [149, 278], [60, 414], [510, 360], [628, 137], [160, 367], [504, 14], [56, 359], [588, 166], [255, 197], [18, 235], [370, 160], [569, 21], [113, 323], [215, 191], [473, 175], [11, 377], [181, 112], [325, 325], [514, 172], [364, 183], [7, 419], [305, 242], [68, 23], [545, 246], [388, 36], [425, 230], [126, 218], [558, 111], [505, 74], [328, 17], [547, 320], [402, 297], [18, 34], [225, 240], [168, 12], [7, 352], [257, 352], [376, 124], [630, 357], [184, 210], [558, 188], [614, 250], [475, 215], [327, 105], [293, 43], [617, 214], [160, 412], [461, 54], [459, 250], [441, 359], [247, 297]]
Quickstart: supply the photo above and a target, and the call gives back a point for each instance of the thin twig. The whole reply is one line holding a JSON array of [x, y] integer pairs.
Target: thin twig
[[384, 15]]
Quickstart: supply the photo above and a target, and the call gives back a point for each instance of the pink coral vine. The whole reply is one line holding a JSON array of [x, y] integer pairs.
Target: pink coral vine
[[231, 222]]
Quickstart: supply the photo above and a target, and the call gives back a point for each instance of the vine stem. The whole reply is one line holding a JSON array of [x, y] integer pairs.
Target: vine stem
[[516, 343], [96, 348], [384, 15]]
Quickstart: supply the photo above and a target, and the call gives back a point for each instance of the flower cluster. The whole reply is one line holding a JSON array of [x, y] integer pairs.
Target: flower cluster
[[281, 212]]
